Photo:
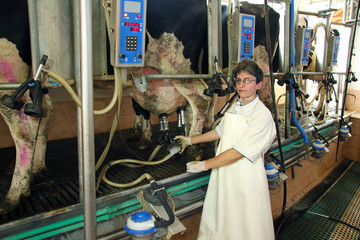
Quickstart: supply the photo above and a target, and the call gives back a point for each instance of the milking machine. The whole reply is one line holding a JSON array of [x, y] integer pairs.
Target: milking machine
[[151, 223], [181, 120], [33, 109], [319, 145]]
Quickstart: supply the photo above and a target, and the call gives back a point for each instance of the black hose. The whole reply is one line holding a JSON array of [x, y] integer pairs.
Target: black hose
[[335, 219], [347, 78], [162, 196], [269, 51], [317, 214]]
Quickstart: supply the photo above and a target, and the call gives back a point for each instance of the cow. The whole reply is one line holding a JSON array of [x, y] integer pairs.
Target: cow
[[192, 44], [29, 133]]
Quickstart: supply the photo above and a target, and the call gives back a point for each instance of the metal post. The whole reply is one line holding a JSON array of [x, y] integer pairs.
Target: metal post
[[214, 6], [76, 17], [87, 119], [34, 35], [287, 69]]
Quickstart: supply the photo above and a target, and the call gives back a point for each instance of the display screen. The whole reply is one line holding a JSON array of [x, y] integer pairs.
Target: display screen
[[133, 7], [337, 41], [248, 23], [134, 24], [134, 29], [307, 34]]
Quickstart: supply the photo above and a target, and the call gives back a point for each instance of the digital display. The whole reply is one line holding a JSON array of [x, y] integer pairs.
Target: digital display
[[337, 41], [133, 7], [307, 34], [134, 29], [248, 22], [133, 24]]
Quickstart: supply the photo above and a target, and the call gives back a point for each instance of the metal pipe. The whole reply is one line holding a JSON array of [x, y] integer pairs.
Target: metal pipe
[[87, 120], [345, 11], [287, 69], [77, 53], [34, 35], [214, 6], [309, 13], [327, 30]]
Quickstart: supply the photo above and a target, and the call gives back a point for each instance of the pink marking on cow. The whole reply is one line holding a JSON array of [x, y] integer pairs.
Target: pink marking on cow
[[194, 91], [6, 70], [199, 123], [24, 158]]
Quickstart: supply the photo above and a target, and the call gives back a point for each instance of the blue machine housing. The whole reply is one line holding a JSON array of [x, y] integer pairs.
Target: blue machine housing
[[130, 42], [247, 36]]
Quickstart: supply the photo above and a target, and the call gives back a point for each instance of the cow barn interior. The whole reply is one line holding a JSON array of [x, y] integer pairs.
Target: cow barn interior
[[92, 94]]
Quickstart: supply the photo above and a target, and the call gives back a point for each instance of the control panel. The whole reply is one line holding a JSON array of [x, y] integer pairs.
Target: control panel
[[129, 22], [302, 46], [247, 36], [333, 50]]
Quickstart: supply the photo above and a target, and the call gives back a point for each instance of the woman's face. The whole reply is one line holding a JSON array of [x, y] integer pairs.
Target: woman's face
[[246, 87]]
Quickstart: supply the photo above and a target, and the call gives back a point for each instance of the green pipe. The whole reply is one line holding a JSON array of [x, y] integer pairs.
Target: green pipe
[[187, 184], [70, 221], [189, 188], [102, 214], [81, 224], [298, 141]]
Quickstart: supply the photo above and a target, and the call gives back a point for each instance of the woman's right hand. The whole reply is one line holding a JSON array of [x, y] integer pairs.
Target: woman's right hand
[[184, 142]]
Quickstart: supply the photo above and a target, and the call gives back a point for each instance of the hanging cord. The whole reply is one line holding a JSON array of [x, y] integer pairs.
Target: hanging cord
[[269, 51], [347, 78]]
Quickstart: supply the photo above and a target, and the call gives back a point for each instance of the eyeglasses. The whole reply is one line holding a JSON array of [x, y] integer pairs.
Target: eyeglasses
[[244, 81]]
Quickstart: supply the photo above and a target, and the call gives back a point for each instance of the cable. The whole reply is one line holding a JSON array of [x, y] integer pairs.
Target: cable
[[334, 219], [347, 77], [272, 80]]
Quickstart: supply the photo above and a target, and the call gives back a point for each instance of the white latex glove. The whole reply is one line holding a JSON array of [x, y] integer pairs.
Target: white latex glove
[[196, 166], [184, 141]]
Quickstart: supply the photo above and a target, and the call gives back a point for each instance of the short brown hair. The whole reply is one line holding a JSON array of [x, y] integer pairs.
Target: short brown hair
[[250, 67]]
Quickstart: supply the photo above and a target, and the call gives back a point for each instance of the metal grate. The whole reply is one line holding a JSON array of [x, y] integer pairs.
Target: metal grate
[[340, 202], [59, 187]]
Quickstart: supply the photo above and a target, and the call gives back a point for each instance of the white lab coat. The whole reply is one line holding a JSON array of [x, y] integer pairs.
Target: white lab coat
[[237, 203]]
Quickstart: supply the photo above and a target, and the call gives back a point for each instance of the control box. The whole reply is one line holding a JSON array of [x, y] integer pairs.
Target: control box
[[333, 50], [247, 36], [128, 26], [302, 46]]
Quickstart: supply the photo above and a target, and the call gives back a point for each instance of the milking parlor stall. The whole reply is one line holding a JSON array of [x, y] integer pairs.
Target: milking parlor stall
[[94, 92]]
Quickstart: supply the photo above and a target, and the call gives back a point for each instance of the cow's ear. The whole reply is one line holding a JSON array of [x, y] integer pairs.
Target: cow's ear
[[259, 85]]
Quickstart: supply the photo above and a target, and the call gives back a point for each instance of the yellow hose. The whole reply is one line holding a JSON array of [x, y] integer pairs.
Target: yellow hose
[[76, 98], [102, 175]]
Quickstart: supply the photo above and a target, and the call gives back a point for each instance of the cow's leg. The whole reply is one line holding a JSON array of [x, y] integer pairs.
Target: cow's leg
[[40, 149], [135, 133], [142, 127], [320, 105], [199, 112], [146, 133], [23, 130]]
